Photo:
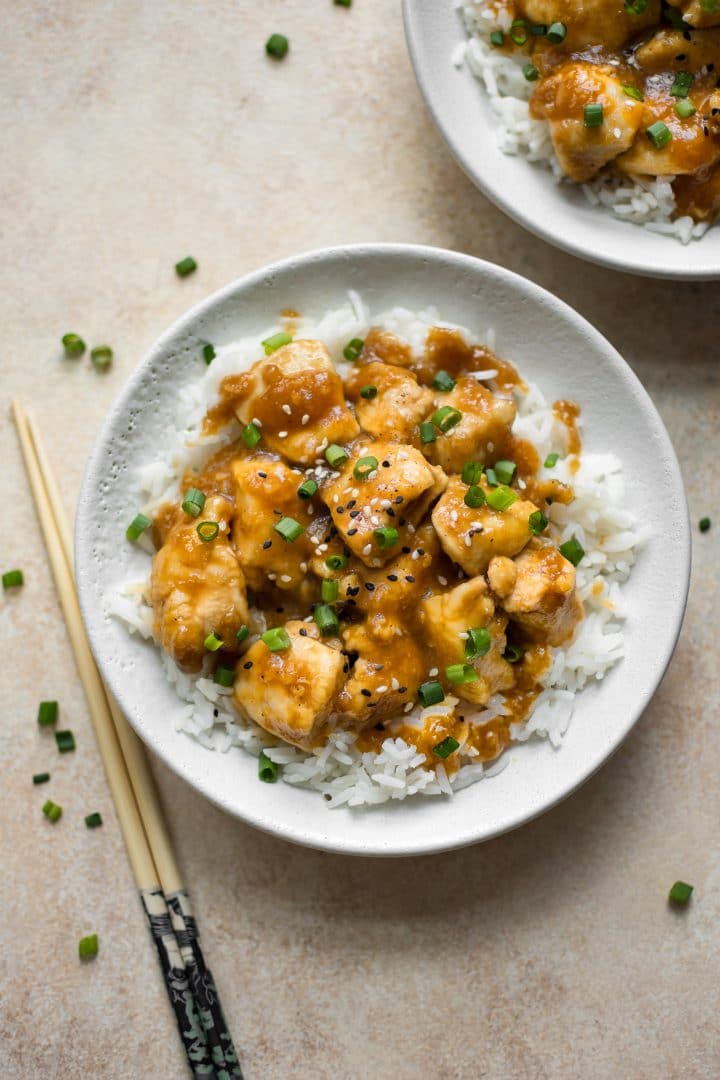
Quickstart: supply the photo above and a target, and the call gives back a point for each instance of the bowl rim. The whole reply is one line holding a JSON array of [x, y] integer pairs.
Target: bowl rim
[[412, 20], [92, 618]]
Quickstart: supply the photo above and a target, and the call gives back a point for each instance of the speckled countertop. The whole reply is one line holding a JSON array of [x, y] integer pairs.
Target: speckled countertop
[[135, 134]]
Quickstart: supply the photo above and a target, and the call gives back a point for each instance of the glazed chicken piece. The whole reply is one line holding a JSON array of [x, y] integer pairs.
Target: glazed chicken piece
[[538, 592], [679, 50], [395, 495], [482, 430], [698, 13], [591, 21], [561, 99], [695, 143], [197, 588], [265, 493], [398, 406], [290, 693], [446, 616], [297, 396], [699, 196], [471, 537], [387, 670]]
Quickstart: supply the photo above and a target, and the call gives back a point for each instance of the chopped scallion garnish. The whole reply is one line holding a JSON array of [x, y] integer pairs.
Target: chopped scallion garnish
[[659, 134], [556, 32], [208, 530], [444, 381], [329, 590], [633, 92], [519, 32], [593, 115], [386, 537], [491, 477], [364, 466], [427, 432], [537, 522], [242, 633], [636, 7], [431, 693], [212, 642], [185, 266], [368, 392], [209, 353], [326, 619], [530, 72], [47, 713], [193, 502], [474, 496], [461, 673], [478, 642], [680, 893], [93, 821], [12, 579], [336, 562], [289, 529], [551, 460], [353, 349], [251, 435], [277, 46], [471, 472], [704, 524], [572, 550], [504, 471], [512, 654], [272, 344], [501, 498], [224, 676], [137, 526], [101, 356], [446, 418], [681, 86], [277, 639], [52, 811], [307, 489], [267, 769], [88, 947], [65, 741], [41, 777], [497, 38], [335, 456], [73, 345], [445, 748], [684, 108]]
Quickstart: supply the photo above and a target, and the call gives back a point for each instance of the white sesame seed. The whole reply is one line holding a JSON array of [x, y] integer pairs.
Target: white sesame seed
[[468, 541], [322, 548], [256, 422], [411, 529], [453, 516], [381, 689], [305, 419], [310, 509], [285, 577], [386, 504], [409, 707], [271, 577], [491, 446], [414, 555], [521, 484], [432, 672], [373, 501], [355, 492], [373, 474], [375, 520], [336, 498], [402, 456], [463, 635], [286, 409], [367, 549], [282, 434], [394, 683], [303, 567], [442, 580]]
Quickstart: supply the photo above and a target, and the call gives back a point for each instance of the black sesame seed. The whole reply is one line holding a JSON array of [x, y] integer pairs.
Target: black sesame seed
[[681, 56], [379, 727], [400, 499], [216, 712], [354, 514], [263, 475], [366, 693], [711, 68], [405, 550], [386, 464], [339, 509], [392, 577], [410, 578], [302, 633], [353, 502], [248, 664], [390, 512], [421, 551], [267, 544], [401, 522], [402, 689], [369, 586], [371, 704], [352, 532]]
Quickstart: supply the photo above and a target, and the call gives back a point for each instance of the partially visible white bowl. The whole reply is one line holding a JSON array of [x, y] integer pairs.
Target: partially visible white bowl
[[559, 214], [552, 345]]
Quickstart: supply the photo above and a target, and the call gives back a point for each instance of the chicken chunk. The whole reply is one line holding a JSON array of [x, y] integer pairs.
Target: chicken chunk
[[679, 50], [297, 396], [590, 22], [398, 406], [699, 196], [446, 616], [561, 99], [387, 668], [265, 493], [482, 430], [698, 13], [395, 495], [197, 588], [694, 147], [290, 693], [543, 598], [471, 537]]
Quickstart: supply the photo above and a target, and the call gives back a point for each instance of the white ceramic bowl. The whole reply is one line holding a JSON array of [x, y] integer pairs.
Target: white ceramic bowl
[[559, 214], [552, 345]]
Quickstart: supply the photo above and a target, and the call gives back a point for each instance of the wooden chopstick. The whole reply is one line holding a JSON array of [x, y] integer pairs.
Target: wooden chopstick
[[171, 924], [203, 986]]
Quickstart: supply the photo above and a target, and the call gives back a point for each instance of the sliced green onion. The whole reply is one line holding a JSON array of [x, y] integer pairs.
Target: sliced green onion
[[491, 477], [307, 489], [272, 344], [12, 579], [505, 471], [224, 676], [251, 435], [353, 348], [445, 748], [636, 7], [497, 38], [685, 109], [41, 777], [336, 562], [342, 3], [501, 498], [519, 32], [444, 381], [185, 266], [277, 46], [208, 530], [659, 134], [93, 821], [52, 811], [556, 32], [368, 392], [538, 30], [73, 345], [65, 741], [326, 619], [461, 673], [431, 693], [446, 418], [364, 466], [551, 460], [427, 432], [209, 353], [101, 356], [47, 713], [681, 86], [137, 526], [289, 529], [530, 72], [88, 947], [572, 550], [474, 497], [537, 522], [471, 472], [478, 642], [680, 893], [329, 590], [335, 456], [267, 769], [193, 502], [704, 524], [675, 19], [512, 654], [212, 642], [386, 537], [277, 639], [633, 92], [242, 633], [593, 115]]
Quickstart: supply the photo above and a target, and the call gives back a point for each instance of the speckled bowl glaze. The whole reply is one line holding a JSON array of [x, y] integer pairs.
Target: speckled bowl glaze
[[528, 193], [552, 345]]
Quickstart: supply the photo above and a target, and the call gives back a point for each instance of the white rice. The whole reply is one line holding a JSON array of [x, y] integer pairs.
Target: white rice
[[342, 773], [640, 200]]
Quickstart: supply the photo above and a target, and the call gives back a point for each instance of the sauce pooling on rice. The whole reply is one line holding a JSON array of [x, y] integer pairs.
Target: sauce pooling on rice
[[372, 551]]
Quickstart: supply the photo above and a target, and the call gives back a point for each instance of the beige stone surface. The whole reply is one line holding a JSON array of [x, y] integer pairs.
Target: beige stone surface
[[136, 133]]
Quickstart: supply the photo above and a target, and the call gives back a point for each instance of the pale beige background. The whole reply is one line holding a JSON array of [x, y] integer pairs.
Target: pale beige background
[[135, 133]]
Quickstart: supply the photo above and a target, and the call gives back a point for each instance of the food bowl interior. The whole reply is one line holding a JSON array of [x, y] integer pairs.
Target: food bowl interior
[[559, 214], [550, 344]]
